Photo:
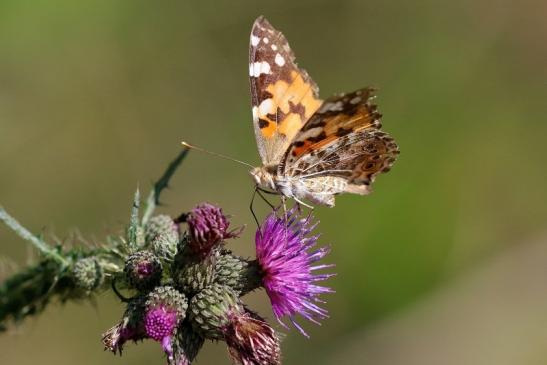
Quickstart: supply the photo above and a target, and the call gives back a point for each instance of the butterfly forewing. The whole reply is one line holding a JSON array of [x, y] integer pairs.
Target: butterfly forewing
[[283, 96]]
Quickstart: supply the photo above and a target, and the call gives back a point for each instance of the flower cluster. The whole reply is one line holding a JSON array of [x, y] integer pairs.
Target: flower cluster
[[180, 282], [187, 286]]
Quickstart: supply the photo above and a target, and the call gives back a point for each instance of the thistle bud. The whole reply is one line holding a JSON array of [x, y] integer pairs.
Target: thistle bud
[[88, 274], [161, 224], [211, 308], [239, 274], [193, 273], [164, 246], [208, 227], [143, 270], [165, 309]]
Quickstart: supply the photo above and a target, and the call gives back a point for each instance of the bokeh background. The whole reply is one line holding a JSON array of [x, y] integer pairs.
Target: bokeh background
[[446, 263]]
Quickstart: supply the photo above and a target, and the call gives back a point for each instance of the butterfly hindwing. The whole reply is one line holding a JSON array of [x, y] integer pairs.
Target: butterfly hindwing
[[338, 116], [283, 96], [343, 140]]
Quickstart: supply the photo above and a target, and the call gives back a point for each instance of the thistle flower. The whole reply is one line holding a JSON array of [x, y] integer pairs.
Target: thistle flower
[[251, 340], [165, 309], [285, 256], [240, 274], [130, 328], [164, 246], [143, 270], [161, 224], [209, 310], [87, 273], [217, 313], [208, 227]]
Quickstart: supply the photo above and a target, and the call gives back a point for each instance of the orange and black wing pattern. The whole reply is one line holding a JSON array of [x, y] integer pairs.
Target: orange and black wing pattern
[[283, 95], [342, 139]]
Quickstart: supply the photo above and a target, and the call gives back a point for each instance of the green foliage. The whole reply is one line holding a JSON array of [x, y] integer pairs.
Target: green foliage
[[73, 274]]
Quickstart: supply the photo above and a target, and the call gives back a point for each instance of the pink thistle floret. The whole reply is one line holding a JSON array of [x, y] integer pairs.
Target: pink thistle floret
[[160, 323], [284, 251]]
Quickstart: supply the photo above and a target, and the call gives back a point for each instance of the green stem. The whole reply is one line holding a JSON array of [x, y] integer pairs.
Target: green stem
[[134, 222], [153, 199], [25, 234]]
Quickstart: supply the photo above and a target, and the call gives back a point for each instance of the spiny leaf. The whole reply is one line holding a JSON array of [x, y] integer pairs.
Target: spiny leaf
[[153, 199], [36, 241]]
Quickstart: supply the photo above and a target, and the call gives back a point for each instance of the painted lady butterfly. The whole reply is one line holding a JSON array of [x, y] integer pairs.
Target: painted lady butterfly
[[310, 149]]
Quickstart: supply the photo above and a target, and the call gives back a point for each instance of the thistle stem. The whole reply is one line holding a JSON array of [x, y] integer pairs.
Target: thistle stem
[[134, 222], [153, 199], [25, 234]]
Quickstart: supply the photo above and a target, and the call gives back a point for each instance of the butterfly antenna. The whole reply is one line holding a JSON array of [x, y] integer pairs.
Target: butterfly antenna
[[188, 145]]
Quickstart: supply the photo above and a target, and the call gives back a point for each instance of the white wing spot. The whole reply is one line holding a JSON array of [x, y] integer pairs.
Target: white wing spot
[[336, 107], [355, 100], [258, 68], [266, 107], [255, 114], [254, 40], [279, 60], [266, 40], [274, 47]]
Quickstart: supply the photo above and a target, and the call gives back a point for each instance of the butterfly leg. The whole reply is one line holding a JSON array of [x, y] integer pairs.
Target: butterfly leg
[[251, 207], [284, 202], [260, 191], [300, 202]]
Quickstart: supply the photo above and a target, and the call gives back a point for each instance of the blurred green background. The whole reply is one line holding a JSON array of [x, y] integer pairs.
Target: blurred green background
[[446, 263]]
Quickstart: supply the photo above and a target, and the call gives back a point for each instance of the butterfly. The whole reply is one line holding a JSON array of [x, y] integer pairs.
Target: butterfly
[[310, 149]]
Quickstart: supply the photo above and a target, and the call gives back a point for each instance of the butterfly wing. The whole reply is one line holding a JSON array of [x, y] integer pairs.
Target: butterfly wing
[[283, 96], [342, 140]]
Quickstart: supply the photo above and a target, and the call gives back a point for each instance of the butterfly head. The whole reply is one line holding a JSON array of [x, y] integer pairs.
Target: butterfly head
[[264, 177]]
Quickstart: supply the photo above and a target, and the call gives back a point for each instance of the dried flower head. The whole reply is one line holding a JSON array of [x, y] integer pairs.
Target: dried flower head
[[251, 340], [284, 253], [130, 328]]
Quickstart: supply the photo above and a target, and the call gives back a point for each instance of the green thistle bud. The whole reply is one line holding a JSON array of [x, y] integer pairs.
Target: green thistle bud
[[194, 274], [88, 274], [161, 224], [241, 275], [210, 310], [164, 246], [143, 270]]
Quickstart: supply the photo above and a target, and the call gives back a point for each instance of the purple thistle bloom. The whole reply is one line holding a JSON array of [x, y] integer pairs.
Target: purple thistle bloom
[[208, 227], [165, 309], [160, 323], [284, 253]]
